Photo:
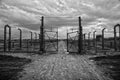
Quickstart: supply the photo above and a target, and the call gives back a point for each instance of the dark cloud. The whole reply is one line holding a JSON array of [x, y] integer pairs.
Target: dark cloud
[[29, 12]]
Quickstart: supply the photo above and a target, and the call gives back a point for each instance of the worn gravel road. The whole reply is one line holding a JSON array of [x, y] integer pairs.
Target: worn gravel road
[[62, 66]]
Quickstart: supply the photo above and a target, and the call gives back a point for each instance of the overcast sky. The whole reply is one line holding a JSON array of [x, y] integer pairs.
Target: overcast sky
[[61, 14]]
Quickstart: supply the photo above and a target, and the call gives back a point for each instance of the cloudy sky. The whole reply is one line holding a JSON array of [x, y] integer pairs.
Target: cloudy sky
[[61, 14]]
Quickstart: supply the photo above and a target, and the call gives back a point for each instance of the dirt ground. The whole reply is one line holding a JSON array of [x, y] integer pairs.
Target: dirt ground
[[110, 65], [59, 66], [62, 66]]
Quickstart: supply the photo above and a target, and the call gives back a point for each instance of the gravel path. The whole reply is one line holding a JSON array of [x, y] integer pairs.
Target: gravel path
[[62, 66]]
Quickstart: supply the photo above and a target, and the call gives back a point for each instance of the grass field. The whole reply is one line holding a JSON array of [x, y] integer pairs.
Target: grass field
[[10, 66], [110, 65]]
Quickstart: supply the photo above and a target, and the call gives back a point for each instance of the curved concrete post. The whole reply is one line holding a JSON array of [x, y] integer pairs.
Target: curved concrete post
[[57, 39], [31, 37], [115, 38], [20, 39], [5, 38], [9, 46], [103, 38]]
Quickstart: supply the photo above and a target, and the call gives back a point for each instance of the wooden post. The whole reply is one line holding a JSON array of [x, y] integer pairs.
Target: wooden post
[[80, 45], [42, 35]]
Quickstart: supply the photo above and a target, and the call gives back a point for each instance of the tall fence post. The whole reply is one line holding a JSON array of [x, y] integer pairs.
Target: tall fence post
[[96, 44], [115, 38], [31, 37], [94, 39], [5, 38], [67, 43], [9, 46], [35, 36], [84, 38], [57, 39], [39, 36], [119, 36], [35, 41], [89, 40], [20, 41], [80, 45], [39, 41], [42, 35], [27, 45], [103, 38]]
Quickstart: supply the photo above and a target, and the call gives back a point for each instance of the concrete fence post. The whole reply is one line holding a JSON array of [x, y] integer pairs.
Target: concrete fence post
[[31, 37], [103, 38], [20, 39], [42, 35], [57, 39], [80, 36], [84, 38], [5, 38], [89, 40], [67, 41], [94, 39], [115, 38]]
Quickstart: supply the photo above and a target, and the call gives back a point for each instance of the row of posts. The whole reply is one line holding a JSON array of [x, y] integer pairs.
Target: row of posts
[[9, 38], [42, 42], [103, 42], [41, 37]]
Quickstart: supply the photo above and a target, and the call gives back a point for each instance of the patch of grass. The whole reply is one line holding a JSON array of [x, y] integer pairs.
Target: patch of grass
[[10, 66], [110, 64]]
